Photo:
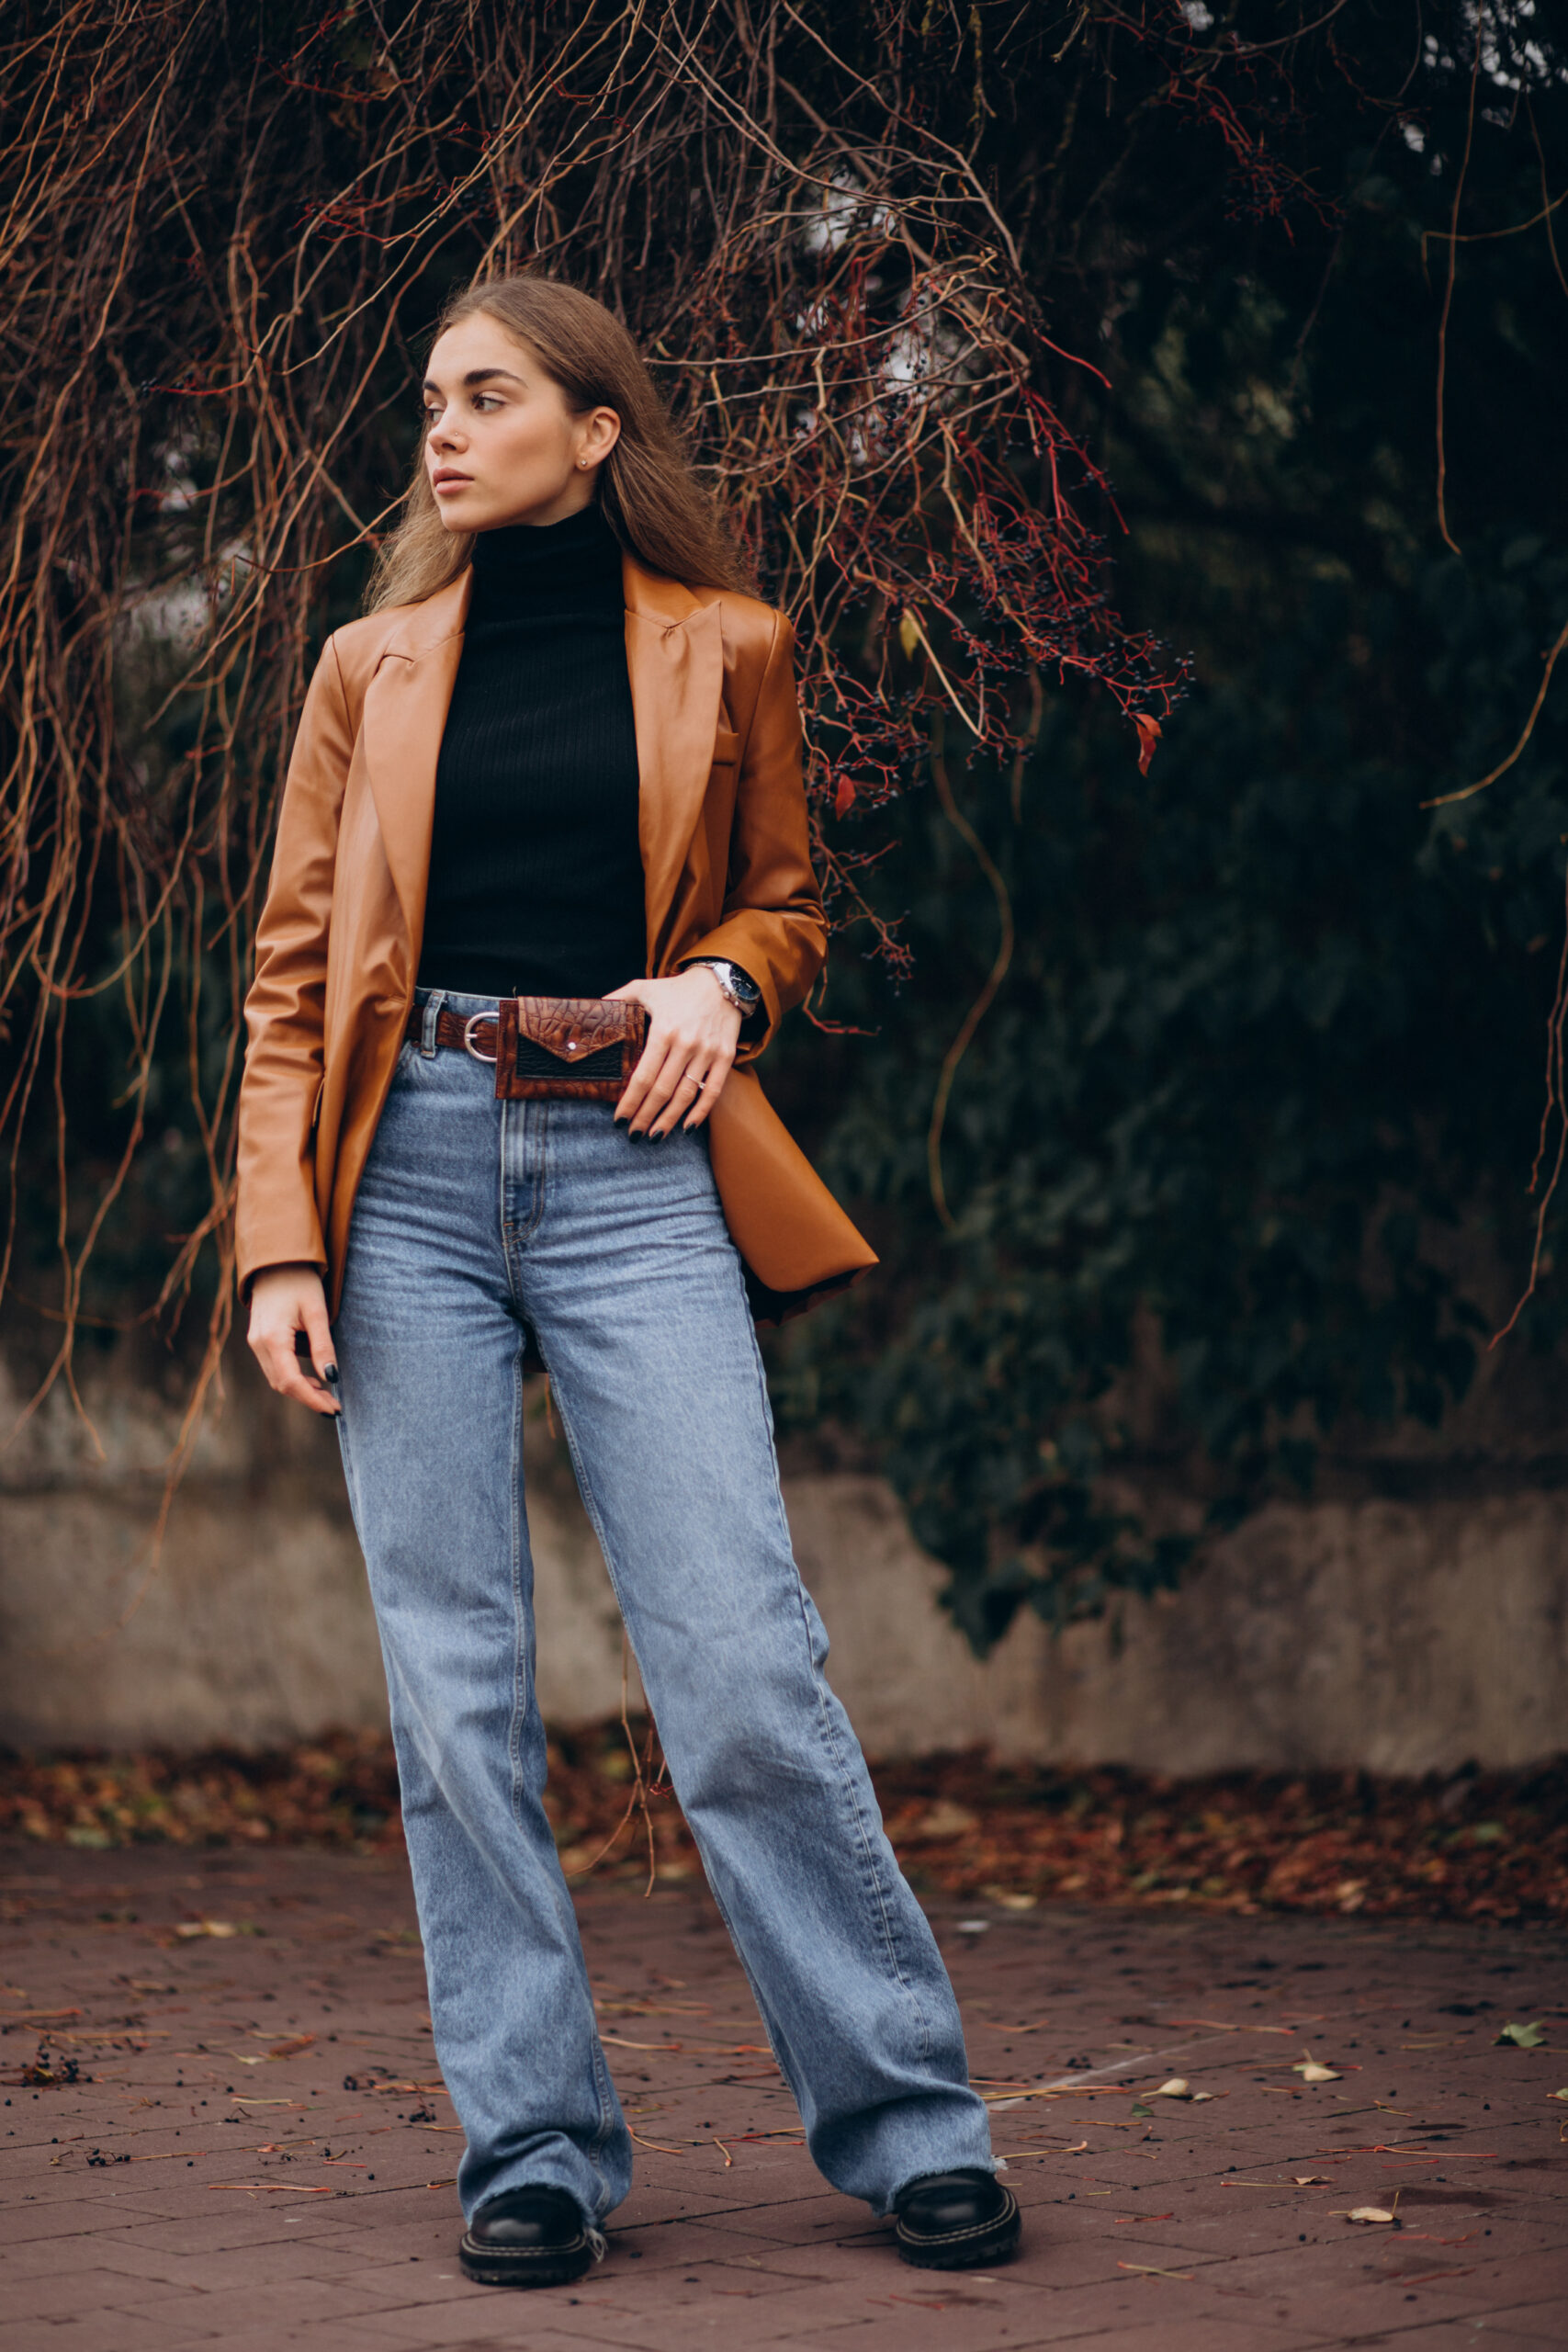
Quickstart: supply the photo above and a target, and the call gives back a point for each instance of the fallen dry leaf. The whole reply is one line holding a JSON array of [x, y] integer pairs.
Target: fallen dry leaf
[[188, 1928], [947, 1820], [1236, 1843], [1370, 2213], [1523, 2037], [1311, 2071]]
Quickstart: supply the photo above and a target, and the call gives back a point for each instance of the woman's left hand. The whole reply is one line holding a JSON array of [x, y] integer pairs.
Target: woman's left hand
[[693, 1029]]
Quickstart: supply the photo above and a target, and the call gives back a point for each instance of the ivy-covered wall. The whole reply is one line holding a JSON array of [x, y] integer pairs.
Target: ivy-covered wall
[[1256, 1104]]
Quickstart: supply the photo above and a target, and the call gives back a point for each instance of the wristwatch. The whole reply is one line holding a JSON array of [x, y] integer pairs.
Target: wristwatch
[[740, 987]]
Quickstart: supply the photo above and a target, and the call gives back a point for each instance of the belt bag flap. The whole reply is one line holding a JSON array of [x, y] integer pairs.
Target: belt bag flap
[[581, 1047]]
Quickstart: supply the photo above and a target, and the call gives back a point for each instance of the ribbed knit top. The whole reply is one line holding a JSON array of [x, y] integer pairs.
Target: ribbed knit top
[[536, 870]]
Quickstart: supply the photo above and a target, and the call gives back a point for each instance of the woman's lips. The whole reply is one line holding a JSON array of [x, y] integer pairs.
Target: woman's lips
[[450, 481]]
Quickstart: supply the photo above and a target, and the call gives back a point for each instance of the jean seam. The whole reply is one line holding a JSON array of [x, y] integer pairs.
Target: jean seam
[[520, 1696], [601, 2069], [522, 1229], [589, 1504], [873, 1874]]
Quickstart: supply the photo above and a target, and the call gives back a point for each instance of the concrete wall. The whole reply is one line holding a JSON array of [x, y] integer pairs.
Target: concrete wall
[[1400, 1636]]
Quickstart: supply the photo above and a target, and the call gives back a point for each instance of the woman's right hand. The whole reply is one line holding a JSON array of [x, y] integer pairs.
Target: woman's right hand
[[286, 1300]]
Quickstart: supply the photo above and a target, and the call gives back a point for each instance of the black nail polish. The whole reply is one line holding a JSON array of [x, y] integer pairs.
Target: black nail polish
[[330, 1375]]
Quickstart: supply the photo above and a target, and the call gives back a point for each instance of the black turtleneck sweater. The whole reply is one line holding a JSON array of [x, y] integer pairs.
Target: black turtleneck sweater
[[536, 870]]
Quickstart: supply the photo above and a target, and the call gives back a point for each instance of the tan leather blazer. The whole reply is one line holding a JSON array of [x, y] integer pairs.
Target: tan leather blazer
[[727, 872]]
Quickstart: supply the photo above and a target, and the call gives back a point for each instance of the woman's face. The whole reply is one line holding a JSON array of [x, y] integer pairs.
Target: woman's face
[[501, 445]]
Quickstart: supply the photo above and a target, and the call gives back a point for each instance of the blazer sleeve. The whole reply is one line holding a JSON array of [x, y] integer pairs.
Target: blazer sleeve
[[277, 1219], [772, 924]]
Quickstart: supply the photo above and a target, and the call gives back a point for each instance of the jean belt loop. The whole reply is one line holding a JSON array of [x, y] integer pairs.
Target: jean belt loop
[[433, 1005]]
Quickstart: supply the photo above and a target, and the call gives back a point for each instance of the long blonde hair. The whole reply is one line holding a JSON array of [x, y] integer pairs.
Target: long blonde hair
[[651, 497]]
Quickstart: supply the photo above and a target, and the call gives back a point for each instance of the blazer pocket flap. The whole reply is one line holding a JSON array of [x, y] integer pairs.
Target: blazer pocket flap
[[726, 747]]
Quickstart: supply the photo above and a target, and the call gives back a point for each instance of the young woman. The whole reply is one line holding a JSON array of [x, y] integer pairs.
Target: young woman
[[541, 894]]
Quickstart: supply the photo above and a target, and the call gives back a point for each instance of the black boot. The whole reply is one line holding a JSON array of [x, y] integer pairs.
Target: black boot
[[529, 2237], [955, 2221]]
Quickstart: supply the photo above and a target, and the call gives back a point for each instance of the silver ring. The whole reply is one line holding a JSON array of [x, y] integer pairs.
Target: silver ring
[[689, 1079], [469, 1025]]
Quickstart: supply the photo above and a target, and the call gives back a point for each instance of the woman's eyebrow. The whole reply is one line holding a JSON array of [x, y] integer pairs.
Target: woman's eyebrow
[[476, 375]]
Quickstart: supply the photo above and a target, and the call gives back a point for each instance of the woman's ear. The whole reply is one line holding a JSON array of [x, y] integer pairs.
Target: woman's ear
[[603, 430]]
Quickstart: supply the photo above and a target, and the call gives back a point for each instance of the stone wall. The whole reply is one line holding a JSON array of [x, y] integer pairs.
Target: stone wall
[[1401, 1635]]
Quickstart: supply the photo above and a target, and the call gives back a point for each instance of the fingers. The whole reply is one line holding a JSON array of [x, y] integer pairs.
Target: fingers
[[708, 1090], [290, 1377], [282, 1307], [684, 1096], [629, 1109], [693, 1034], [683, 1085], [318, 1331], [285, 1372]]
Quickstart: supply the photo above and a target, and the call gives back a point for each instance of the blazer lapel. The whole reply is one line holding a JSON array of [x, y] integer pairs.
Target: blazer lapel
[[675, 661], [405, 715]]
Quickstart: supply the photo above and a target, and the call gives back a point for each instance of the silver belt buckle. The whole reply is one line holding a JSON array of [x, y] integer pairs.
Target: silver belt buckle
[[469, 1025]]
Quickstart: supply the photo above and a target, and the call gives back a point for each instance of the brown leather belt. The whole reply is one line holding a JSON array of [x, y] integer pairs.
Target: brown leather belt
[[575, 1048]]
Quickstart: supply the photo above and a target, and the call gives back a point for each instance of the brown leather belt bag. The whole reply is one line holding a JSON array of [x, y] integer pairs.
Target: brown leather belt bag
[[576, 1048]]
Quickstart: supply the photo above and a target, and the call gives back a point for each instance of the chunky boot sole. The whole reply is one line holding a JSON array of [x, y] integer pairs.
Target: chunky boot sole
[[974, 2248], [553, 2266]]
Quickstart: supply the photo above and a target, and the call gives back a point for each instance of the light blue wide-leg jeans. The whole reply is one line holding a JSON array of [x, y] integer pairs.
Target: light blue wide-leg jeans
[[473, 1217]]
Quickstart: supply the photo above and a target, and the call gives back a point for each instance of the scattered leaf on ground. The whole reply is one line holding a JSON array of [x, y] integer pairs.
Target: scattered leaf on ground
[[1370, 2213], [1310, 2070], [1240, 1843], [1523, 2037], [947, 1820]]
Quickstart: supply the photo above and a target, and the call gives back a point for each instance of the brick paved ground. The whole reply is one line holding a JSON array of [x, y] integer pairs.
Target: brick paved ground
[[256, 2151]]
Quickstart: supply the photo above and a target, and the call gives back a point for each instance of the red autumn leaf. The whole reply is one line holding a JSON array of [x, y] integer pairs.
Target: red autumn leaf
[[843, 797], [1148, 736]]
